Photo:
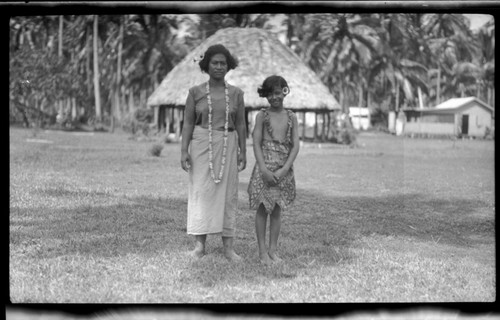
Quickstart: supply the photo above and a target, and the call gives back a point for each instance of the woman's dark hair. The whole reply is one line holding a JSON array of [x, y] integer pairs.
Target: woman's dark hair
[[232, 63], [270, 83]]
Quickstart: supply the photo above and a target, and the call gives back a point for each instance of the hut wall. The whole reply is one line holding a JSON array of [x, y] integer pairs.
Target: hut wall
[[479, 119], [438, 118], [430, 128]]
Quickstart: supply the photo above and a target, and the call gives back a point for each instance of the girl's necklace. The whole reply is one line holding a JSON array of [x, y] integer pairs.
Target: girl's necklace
[[226, 125]]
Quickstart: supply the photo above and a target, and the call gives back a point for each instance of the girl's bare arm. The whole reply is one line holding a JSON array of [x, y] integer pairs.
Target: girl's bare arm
[[257, 141], [296, 144]]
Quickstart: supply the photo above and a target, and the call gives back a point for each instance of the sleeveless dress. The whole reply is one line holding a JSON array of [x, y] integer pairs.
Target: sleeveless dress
[[212, 208], [275, 154]]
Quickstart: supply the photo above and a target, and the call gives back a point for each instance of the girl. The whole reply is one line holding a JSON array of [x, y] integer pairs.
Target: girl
[[272, 184]]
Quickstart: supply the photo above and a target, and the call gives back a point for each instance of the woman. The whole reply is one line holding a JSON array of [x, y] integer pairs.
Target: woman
[[214, 126]]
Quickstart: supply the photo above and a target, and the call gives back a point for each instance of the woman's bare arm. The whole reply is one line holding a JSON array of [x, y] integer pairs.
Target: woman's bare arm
[[187, 132], [241, 128]]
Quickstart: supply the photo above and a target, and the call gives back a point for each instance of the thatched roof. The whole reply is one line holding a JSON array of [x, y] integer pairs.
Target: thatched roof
[[260, 55]]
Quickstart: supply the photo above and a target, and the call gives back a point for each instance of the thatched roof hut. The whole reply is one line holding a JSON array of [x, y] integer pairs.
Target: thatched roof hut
[[260, 55]]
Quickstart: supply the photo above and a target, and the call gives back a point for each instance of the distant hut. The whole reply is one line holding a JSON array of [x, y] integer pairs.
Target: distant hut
[[260, 55], [466, 117]]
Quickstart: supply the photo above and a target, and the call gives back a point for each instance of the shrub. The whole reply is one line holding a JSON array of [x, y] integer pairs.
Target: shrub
[[138, 121], [344, 133], [489, 133], [155, 150], [348, 136]]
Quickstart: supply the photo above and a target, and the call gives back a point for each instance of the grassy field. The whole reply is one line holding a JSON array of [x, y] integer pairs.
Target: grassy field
[[94, 218]]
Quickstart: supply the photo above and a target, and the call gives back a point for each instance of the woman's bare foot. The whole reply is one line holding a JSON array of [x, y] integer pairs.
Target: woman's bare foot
[[275, 258], [197, 253], [265, 259], [232, 256]]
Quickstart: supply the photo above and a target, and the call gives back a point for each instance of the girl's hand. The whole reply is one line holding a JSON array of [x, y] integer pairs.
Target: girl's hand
[[242, 161], [185, 161], [280, 173], [269, 177]]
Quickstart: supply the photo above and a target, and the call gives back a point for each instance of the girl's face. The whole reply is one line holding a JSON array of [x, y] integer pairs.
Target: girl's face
[[217, 67], [275, 98]]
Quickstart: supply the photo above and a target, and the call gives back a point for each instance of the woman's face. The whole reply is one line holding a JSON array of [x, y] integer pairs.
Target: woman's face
[[275, 98], [217, 67]]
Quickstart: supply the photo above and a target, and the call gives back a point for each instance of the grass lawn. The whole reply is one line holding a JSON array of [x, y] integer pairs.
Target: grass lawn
[[94, 218]]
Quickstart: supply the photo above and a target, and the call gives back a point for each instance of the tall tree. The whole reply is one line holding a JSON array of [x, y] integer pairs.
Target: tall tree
[[451, 41], [97, 93], [343, 47], [486, 39], [398, 73]]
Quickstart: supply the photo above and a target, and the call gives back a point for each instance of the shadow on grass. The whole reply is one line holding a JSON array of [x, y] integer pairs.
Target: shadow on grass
[[317, 230], [135, 224], [418, 216]]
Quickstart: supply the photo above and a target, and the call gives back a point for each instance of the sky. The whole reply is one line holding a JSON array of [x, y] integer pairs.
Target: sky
[[478, 20]]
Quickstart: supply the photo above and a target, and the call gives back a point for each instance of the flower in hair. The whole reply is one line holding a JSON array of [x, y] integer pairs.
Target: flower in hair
[[199, 59], [286, 90]]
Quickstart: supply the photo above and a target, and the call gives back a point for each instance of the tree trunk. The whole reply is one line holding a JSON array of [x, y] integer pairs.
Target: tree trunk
[[489, 96], [142, 99], [116, 108], [478, 91], [341, 100], [420, 101], [97, 93], [396, 107], [177, 123], [74, 111], [131, 107], [60, 37], [87, 66], [112, 112], [438, 93], [360, 95], [492, 98]]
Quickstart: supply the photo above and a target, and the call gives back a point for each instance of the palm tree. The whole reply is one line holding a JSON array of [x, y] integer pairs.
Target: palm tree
[[342, 49], [97, 93], [486, 39], [211, 23], [395, 70], [451, 41]]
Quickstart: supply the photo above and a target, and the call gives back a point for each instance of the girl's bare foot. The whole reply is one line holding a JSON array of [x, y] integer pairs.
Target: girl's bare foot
[[232, 256], [265, 259], [275, 258]]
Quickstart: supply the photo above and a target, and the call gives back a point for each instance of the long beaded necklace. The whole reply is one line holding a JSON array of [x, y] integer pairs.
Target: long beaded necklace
[[226, 125]]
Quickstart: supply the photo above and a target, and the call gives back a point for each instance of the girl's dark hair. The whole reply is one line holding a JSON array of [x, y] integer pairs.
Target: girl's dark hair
[[232, 63], [270, 83]]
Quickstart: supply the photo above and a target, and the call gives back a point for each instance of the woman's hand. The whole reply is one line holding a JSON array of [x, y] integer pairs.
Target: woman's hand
[[185, 161], [269, 178], [242, 161]]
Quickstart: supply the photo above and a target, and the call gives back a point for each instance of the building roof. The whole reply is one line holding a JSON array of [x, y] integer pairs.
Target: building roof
[[260, 55], [454, 104]]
